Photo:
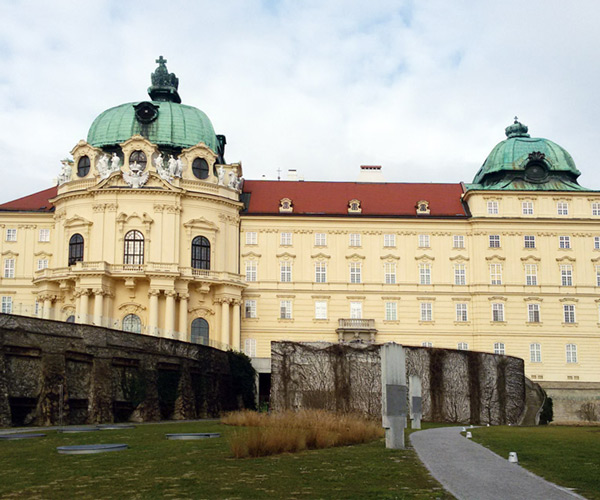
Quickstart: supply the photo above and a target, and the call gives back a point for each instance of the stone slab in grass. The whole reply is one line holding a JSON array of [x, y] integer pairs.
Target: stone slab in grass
[[69, 430], [14, 437], [86, 449], [115, 427], [189, 436]]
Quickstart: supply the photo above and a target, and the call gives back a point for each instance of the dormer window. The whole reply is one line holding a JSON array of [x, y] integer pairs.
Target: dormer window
[[83, 166], [200, 168], [536, 169], [286, 206], [354, 207], [423, 207], [138, 157]]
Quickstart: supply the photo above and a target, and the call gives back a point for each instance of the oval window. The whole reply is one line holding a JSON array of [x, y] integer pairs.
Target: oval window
[[138, 157], [200, 168], [83, 166]]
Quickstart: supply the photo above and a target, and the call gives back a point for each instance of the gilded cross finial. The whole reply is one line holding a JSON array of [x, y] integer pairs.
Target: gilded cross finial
[[161, 60]]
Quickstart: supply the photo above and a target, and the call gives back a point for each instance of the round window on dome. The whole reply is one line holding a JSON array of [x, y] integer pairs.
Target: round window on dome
[[536, 172], [138, 157], [83, 166], [200, 168]]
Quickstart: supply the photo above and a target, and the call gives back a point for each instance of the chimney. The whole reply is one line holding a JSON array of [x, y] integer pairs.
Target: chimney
[[370, 173]]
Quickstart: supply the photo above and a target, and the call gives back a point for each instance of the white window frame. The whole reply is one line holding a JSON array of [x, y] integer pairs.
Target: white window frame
[[355, 272], [250, 348], [11, 234], [566, 275], [595, 208], [531, 274], [44, 235], [493, 207], [564, 242], [499, 348], [571, 353], [250, 309], [320, 239], [7, 304], [389, 273], [460, 274], [426, 311], [320, 272], [354, 240], [285, 309], [463, 346], [495, 274], [42, 264], [426, 344], [251, 270], [597, 275], [424, 241], [389, 240], [251, 238], [569, 313], [535, 352], [494, 240], [9, 268], [562, 208], [527, 207], [462, 312], [424, 273], [596, 242], [391, 311], [320, 309], [356, 310], [529, 241], [533, 313], [285, 239], [497, 312], [285, 271], [458, 241]]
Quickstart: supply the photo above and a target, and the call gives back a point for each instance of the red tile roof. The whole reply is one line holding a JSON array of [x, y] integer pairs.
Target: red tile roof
[[377, 199], [37, 202]]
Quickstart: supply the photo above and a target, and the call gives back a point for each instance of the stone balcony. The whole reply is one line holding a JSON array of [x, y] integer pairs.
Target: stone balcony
[[355, 329]]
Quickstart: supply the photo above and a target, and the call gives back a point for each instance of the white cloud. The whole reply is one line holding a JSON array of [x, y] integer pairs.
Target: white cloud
[[423, 88]]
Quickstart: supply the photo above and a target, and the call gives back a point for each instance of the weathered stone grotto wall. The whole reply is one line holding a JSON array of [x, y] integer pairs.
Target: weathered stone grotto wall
[[458, 386], [106, 375]]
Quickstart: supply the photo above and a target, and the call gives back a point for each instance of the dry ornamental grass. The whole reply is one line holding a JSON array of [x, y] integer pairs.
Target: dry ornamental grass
[[290, 432]]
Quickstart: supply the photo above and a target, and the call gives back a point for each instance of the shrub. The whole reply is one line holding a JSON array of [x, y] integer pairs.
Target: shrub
[[588, 412]]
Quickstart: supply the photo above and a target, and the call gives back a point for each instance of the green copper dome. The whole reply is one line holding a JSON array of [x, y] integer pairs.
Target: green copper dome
[[163, 120], [522, 162]]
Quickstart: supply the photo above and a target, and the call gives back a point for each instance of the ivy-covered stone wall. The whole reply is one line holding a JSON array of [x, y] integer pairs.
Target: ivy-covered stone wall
[[107, 375], [457, 386]]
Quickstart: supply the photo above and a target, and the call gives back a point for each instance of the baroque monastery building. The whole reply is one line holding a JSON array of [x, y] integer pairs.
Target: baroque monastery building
[[150, 230]]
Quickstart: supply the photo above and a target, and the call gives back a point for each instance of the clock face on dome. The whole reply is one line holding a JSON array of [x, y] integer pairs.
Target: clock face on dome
[[535, 173], [146, 112]]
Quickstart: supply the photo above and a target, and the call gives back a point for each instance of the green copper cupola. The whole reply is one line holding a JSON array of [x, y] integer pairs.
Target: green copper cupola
[[522, 162]]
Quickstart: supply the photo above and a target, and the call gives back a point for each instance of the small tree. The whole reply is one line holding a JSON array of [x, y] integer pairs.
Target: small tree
[[588, 412]]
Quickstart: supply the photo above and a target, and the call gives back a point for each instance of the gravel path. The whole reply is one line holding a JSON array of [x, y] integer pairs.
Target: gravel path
[[470, 471]]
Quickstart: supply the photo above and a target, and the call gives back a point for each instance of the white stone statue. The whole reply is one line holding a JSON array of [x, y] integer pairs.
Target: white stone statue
[[135, 178], [233, 180], [178, 168], [221, 174], [65, 172], [240, 184], [115, 163], [102, 167], [162, 170], [175, 166]]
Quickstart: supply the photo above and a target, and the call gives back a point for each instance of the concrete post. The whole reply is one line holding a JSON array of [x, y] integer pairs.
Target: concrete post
[[393, 394], [415, 401]]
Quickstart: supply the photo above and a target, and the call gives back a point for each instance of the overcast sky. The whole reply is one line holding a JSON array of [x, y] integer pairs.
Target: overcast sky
[[423, 88]]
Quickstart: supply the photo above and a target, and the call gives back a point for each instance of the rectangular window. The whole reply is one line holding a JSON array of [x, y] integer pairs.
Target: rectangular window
[[426, 311], [569, 313], [44, 235], [42, 264], [566, 275], [562, 208], [463, 346], [597, 275], [391, 311], [425, 274], [285, 309], [389, 240], [250, 348], [354, 239], [529, 241], [458, 241], [251, 270], [320, 272], [11, 235], [527, 207], [533, 313], [495, 274], [285, 239], [355, 272], [7, 305], [320, 239], [9, 268], [460, 274], [320, 309], [535, 353], [424, 240], [285, 272], [250, 308], [494, 241], [596, 242], [426, 344], [251, 238], [461, 312], [389, 273], [499, 348], [564, 242], [37, 308], [595, 208], [531, 274], [571, 351], [492, 207], [356, 310], [497, 311]]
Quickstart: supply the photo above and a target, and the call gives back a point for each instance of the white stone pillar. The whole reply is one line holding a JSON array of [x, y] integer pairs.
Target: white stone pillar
[[153, 313], [183, 312], [98, 306], [235, 326], [83, 306], [415, 401], [170, 314], [394, 394], [225, 322], [47, 306]]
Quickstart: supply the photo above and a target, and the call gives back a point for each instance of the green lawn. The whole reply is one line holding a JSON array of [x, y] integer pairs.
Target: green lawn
[[569, 456], [155, 467]]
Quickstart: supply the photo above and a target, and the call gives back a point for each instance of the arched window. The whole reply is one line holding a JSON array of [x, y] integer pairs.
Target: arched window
[[75, 249], [83, 166], [200, 253], [200, 168], [199, 331], [138, 157], [134, 248], [132, 323]]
